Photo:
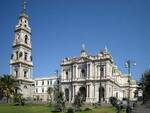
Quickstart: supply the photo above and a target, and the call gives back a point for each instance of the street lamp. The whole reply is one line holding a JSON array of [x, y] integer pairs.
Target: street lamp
[[128, 65], [57, 80], [101, 75]]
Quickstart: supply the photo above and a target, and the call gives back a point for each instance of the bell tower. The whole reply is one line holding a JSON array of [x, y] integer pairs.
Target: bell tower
[[21, 59]]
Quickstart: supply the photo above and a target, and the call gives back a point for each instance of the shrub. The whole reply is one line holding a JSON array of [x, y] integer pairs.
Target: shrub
[[113, 101], [87, 109], [70, 110], [18, 99], [78, 102]]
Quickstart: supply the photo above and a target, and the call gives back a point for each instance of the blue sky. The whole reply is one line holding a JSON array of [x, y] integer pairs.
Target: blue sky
[[59, 27]]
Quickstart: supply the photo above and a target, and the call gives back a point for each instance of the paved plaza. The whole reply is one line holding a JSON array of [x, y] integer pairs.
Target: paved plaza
[[139, 108]]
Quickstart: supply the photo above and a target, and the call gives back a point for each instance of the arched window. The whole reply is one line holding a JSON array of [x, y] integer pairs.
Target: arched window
[[25, 74], [25, 55], [67, 94], [26, 39], [16, 55], [20, 54], [102, 71], [31, 58], [12, 55], [25, 87], [82, 91], [16, 72], [67, 75], [83, 73]]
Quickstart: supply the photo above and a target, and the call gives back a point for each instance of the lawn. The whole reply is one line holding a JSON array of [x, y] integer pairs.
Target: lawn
[[8, 108]]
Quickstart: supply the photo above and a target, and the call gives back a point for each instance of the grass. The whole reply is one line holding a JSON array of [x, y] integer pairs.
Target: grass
[[34, 108]]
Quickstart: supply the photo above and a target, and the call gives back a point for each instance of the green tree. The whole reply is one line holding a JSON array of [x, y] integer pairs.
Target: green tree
[[50, 91], [78, 101], [1, 88], [145, 84], [59, 100], [8, 86], [18, 99]]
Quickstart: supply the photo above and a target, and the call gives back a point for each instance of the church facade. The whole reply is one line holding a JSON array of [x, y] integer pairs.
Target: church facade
[[96, 77]]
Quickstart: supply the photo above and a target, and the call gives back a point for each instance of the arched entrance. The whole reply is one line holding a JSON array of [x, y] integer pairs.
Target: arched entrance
[[101, 94], [67, 94], [82, 91]]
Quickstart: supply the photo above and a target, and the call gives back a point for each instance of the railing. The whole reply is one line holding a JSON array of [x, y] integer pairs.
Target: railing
[[22, 61], [22, 43]]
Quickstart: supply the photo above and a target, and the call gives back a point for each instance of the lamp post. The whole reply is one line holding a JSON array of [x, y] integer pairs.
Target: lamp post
[[100, 85], [57, 81], [128, 65]]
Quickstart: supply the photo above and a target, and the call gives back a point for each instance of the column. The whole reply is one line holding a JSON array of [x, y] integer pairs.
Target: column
[[70, 95], [87, 95], [77, 72], [94, 93], [74, 71], [19, 71], [91, 71], [74, 88], [107, 92], [87, 72]]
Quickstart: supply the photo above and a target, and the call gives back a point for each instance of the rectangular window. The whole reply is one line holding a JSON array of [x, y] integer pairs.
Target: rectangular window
[[102, 71], [47, 82], [25, 56], [42, 90], [36, 90], [42, 82], [36, 83], [51, 82]]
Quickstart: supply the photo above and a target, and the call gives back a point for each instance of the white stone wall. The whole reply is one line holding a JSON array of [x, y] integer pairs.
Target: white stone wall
[[39, 87]]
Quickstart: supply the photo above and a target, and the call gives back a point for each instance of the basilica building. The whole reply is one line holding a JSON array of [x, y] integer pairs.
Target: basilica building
[[96, 77]]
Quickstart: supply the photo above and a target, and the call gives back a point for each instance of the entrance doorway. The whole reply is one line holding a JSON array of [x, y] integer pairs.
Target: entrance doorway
[[82, 91]]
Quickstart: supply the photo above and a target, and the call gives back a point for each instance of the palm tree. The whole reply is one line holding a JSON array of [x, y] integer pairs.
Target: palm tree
[[50, 91], [1, 89], [8, 86]]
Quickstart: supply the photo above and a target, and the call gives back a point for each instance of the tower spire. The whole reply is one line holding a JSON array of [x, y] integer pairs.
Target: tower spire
[[24, 6], [83, 47], [24, 13]]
